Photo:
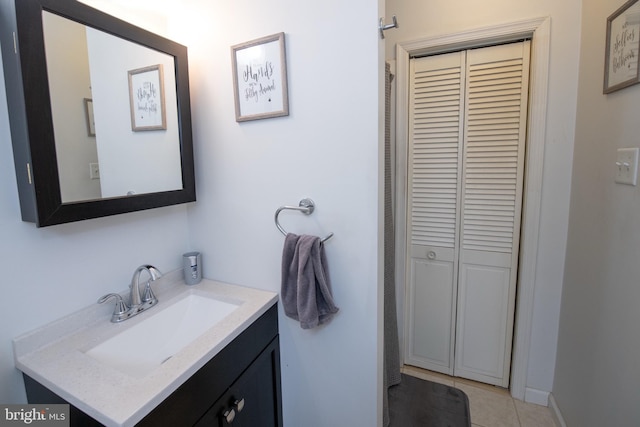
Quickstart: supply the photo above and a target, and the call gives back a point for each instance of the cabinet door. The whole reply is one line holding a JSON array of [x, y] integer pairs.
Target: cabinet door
[[215, 416], [435, 156], [494, 150], [257, 392], [467, 126], [254, 398]]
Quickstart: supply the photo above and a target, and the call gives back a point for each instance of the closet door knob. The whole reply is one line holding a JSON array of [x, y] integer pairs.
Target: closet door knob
[[239, 404], [431, 255], [229, 415]]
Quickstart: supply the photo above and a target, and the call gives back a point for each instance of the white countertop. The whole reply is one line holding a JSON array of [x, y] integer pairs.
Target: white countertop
[[54, 354]]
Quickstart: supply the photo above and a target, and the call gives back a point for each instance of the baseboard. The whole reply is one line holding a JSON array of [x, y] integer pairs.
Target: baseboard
[[539, 397], [555, 412]]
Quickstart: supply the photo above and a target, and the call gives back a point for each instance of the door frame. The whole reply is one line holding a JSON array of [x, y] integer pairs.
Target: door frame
[[538, 30]]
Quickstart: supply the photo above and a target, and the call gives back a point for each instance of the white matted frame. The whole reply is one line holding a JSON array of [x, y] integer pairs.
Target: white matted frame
[[260, 78], [621, 51], [88, 115], [146, 97], [538, 30]]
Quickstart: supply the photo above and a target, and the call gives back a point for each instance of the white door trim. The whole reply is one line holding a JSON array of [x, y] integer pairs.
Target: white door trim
[[538, 30]]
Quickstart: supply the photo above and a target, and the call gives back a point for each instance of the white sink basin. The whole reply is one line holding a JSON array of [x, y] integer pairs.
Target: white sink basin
[[140, 349]]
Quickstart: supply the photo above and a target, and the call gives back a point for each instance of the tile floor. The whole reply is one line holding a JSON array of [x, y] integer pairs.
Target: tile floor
[[491, 406]]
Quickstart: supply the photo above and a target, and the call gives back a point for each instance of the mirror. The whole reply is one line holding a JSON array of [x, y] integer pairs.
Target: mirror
[[100, 118], [100, 152]]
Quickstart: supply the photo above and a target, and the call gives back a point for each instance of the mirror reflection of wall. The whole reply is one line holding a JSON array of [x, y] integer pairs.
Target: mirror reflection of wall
[[70, 84], [129, 162]]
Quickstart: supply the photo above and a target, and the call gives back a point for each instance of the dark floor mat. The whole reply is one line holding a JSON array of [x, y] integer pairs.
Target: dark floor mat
[[420, 403]]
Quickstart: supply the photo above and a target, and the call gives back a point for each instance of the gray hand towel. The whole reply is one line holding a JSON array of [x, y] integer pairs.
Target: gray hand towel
[[306, 288]]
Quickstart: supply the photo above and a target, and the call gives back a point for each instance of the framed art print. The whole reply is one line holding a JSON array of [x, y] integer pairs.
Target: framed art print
[[88, 115], [623, 40], [260, 78], [146, 96]]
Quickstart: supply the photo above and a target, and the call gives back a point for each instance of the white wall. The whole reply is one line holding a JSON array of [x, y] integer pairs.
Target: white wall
[[50, 272], [68, 71], [441, 17], [597, 372], [326, 149]]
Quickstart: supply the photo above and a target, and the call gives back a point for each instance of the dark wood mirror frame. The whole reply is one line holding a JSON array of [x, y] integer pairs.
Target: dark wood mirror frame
[[31, 120]]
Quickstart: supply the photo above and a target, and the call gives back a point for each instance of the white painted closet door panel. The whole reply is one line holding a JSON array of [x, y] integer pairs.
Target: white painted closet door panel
[[494, 148], [435, 156], [432, 310]]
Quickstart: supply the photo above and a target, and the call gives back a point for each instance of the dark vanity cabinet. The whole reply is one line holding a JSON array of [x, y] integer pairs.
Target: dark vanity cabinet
[[238, 387], [252, 399]]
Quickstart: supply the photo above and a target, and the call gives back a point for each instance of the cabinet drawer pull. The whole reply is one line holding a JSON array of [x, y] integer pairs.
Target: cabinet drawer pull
[[229, 415], [239, 404]]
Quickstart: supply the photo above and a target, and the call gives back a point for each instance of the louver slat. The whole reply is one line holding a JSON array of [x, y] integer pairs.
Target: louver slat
[[491, 156], [435, 136]]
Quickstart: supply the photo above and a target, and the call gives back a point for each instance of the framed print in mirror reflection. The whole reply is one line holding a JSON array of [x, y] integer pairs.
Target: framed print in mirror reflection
[[88, 114], [146, 94]]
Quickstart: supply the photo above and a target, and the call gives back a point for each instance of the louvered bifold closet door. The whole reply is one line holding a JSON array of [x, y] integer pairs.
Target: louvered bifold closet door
[[435, 158], [494, 149]]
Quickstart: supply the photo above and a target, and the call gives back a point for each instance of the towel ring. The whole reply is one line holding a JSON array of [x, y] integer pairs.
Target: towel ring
[[306, 206]]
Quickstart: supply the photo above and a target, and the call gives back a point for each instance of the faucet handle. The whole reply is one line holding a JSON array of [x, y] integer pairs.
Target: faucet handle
[[148, 295], [120, 310]]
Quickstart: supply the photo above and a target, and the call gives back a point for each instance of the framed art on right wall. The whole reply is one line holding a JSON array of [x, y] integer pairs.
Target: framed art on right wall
[[621, 51]]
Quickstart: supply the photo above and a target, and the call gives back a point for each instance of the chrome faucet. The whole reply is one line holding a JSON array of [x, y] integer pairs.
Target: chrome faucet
[[148, 298], [137, 302]]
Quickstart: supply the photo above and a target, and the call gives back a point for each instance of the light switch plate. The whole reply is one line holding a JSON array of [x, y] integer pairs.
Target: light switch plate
[[627, 166], [94, 171]]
